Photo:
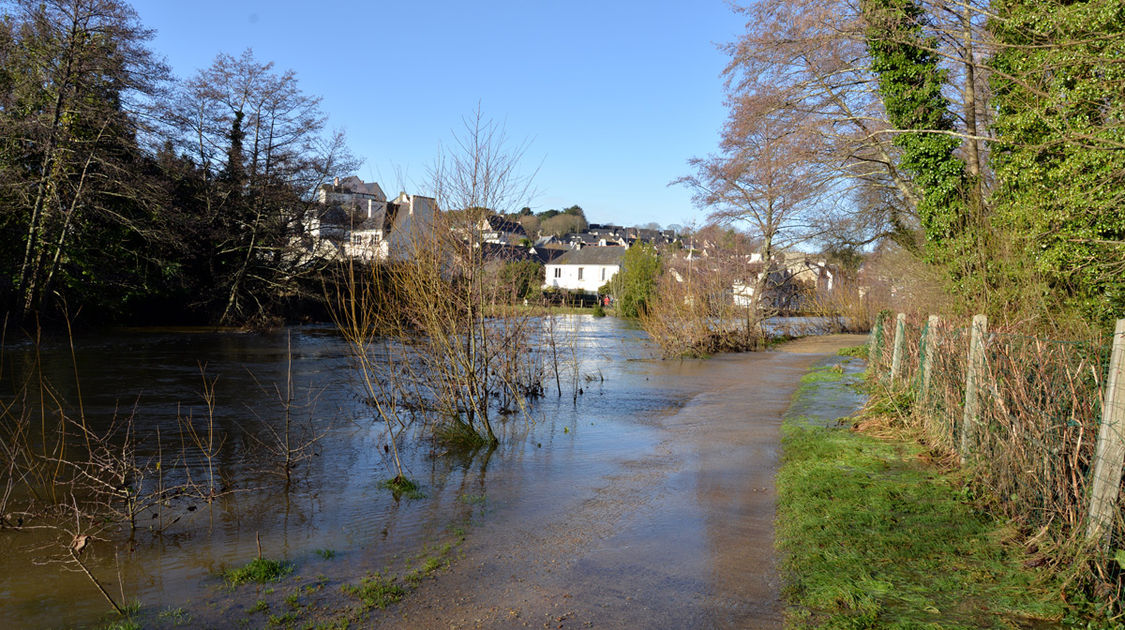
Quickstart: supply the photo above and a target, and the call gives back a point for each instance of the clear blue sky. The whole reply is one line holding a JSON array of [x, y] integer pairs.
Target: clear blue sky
[[612, 96]]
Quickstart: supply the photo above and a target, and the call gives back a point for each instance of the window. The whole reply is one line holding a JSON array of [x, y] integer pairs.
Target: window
[[580, 273], [558, 272], [603, 274]]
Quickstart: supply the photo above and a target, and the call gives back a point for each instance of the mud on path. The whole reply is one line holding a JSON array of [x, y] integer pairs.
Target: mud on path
[[677, 533]]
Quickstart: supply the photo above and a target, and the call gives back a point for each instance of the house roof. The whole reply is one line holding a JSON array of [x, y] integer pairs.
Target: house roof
[[503, 225], [355, 185], [592, 256], [506, 253], [546, 254]]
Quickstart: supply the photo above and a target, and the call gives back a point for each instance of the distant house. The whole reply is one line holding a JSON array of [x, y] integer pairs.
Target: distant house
[[498, 230], [584, 270], [793, 278], [344, 204], [582, 239], [355, 220], [410, 224], [779, 290], [350, 190]]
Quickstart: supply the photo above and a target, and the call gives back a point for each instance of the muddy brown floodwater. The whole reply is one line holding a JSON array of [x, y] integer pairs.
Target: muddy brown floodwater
[[676, 534]]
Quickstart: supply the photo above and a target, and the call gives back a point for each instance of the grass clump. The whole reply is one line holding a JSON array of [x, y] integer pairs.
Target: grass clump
[[873, 537], [282, 620], [327, 554], [177, 616], [259, 570], [859, 351], [293, 601], [123, 624], [376, 591], [458, 435], [402, 487]]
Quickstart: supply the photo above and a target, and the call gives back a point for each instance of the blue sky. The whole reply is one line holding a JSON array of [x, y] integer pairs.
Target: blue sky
[[612, 97]]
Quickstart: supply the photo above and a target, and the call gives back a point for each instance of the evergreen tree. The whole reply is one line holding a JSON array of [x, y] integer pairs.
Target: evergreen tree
[[75, 73], [635, 285]]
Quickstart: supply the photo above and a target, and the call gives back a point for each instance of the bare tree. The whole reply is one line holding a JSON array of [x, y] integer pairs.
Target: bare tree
[[261, 148], [767, 180]]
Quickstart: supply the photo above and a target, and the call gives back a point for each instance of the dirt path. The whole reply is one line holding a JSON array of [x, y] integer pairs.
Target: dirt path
[[677, 535]]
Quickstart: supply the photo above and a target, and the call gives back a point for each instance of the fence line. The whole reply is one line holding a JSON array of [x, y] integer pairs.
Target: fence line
[[1041, 422]]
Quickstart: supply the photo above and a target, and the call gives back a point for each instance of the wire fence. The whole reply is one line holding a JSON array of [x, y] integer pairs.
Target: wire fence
[[1024, 413]]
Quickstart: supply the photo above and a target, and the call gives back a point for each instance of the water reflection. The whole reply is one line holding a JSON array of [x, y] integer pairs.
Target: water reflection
[[162, 380]]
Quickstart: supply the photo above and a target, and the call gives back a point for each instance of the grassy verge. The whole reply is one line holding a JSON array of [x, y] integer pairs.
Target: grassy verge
[[874, 534]]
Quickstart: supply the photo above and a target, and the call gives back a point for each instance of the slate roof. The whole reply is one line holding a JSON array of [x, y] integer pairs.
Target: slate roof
[[592, 256], [503, 225]]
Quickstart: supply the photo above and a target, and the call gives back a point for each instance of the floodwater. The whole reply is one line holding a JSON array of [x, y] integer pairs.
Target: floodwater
[[647, 501], [671, 531]]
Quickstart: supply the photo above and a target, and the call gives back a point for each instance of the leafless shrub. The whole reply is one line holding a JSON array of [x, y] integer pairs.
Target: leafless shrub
[[294, 441]]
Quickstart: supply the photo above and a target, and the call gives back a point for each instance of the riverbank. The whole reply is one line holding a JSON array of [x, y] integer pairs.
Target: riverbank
[[876, 532]]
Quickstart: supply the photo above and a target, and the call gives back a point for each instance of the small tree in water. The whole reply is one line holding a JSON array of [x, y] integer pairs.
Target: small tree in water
[[442, 359], [635, 285]]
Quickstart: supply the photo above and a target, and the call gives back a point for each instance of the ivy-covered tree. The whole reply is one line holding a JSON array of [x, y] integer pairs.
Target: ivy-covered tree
[[1059, 94], [910, 81]]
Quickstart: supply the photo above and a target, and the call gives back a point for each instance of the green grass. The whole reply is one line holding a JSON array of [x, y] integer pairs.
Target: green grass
[[815, 377], [260, 570], [376, 591], [123, 624], [860, 351], [458, 435], [260, 606], [327, 554], [282, 620], [829, 374], [132, 608], [872, 537], [403, 487], [125, 621], [177, 616]]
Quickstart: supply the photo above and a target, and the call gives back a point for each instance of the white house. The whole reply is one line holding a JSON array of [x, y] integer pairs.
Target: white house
[[355, 220], [585, 269], [410, 224]]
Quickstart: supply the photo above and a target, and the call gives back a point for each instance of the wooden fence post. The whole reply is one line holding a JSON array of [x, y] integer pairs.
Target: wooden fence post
[[929, 347], [900, 343], [875, 349], [1111, 444], [973, 374]]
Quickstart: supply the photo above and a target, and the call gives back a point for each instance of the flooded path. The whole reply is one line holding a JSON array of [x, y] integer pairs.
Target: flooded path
[[676, 533], [644, 501]]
